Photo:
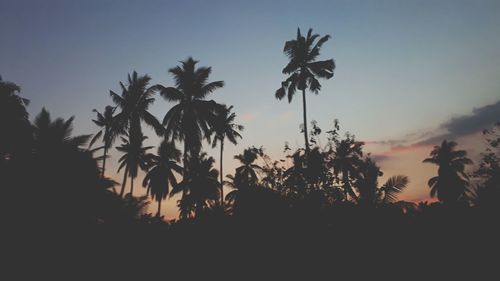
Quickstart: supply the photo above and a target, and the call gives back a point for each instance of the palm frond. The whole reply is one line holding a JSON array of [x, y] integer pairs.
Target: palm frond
[[394, 186]]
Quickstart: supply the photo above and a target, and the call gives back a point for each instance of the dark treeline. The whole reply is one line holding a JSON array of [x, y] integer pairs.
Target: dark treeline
[[325, 195]]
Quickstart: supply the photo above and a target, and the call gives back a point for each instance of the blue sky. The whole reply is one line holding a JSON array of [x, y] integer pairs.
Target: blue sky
[[402, 66]]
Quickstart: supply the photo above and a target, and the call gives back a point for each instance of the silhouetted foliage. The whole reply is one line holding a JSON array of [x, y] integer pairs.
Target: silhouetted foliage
[[248, 169], [451, 182], [487, 193], [315, 197], [15, 136], [367, 185], [345, 161], [200, 186]]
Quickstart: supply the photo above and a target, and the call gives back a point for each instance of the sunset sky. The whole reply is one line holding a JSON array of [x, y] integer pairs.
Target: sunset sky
[[409, 73]]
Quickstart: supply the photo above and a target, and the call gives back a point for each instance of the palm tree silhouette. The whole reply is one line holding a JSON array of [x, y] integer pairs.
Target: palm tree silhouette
[[55, 136], [295, 176], [346, 160], [248, 170], [14, 123], [134, 157], [224, 127], [161, 174], [108, 132], [191, 118], [67, 181], [199, 187], [235, 183], [304, 70], [134, 102], [370, 193], [451, 182]]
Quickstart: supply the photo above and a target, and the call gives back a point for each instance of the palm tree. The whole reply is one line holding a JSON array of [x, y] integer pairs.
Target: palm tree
[[14, 123], [108, 132], [234, 182], [304, 70], [248, 170], [134, 157], [55, 136], [346, 161], [295, 176], [199, 187], [451, 182], [191, 118], [370, 193], [64, 179], [134, 102], [161, 174], [224, 127]]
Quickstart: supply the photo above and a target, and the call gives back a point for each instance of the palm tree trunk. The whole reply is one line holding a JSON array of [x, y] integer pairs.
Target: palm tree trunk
[[347, 187], [185, 160], [345, 179], [159, 208], [305, 120], [221, 175], [131, 186], [198, 209], [104, 160], [125, 176], [185, 157]]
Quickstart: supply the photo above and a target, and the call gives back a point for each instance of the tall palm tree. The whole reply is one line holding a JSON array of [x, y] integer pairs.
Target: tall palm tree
[[451, 182], [304, 70], [134, 103], [192, 116], [199, 187], [346, 161], [370, 193], [134, 156], [248, 170], [14, 123], [224, 127], [161, 174], [108, 132]]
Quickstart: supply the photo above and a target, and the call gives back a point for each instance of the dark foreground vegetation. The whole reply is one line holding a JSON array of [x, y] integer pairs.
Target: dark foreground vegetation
[[321, 203]]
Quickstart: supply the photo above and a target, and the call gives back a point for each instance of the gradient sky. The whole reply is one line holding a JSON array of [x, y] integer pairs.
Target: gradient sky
[[408, 72]]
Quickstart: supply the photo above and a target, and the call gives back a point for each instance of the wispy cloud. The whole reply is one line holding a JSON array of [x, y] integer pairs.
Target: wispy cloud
[[455, 128], [480, 119], [248, 116]]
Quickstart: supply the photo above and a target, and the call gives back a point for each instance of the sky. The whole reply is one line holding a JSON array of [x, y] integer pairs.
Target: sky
[[409, 73]]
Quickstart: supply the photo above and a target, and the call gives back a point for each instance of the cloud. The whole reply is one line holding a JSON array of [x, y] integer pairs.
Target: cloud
[[248, 116], [411, 138], [391, 142], [455, 128], [396, 150], [480, 119], [379, 157]]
